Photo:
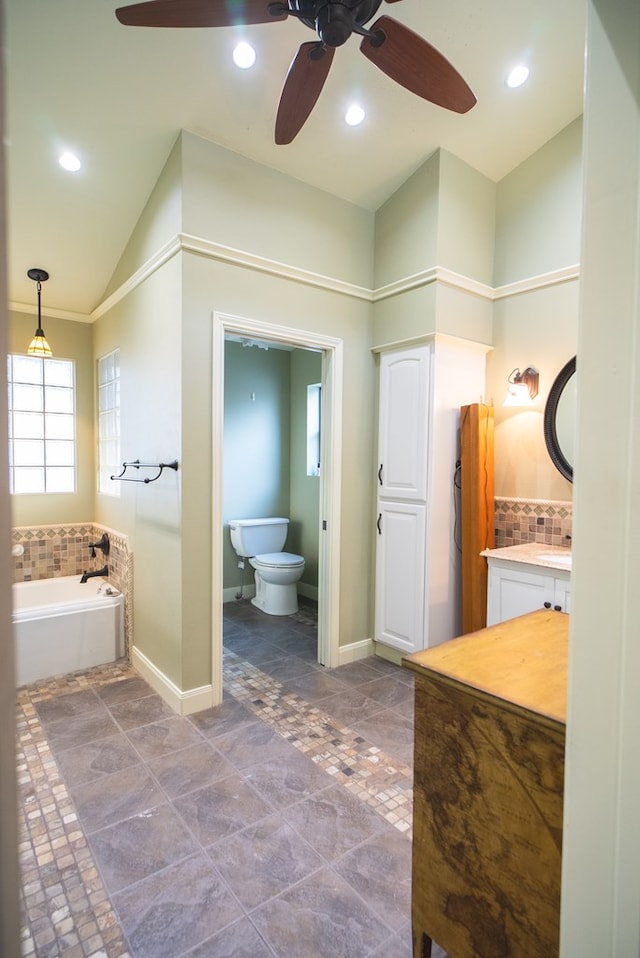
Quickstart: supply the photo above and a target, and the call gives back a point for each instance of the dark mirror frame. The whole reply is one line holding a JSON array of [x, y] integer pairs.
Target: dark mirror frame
[[558, 457]]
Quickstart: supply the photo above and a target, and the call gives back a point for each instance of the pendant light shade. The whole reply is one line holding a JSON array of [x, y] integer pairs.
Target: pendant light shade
[[39, 345]]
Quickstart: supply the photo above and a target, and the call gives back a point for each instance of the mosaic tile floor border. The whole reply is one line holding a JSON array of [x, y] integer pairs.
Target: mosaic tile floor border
[[67, 911], [363, 769], [66, 907]]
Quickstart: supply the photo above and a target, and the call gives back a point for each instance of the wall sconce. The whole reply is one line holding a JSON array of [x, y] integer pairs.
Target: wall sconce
[[523, 387], [39, 345]]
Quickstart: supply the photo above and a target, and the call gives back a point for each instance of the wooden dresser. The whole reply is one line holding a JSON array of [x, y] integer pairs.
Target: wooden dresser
[[488, 790]]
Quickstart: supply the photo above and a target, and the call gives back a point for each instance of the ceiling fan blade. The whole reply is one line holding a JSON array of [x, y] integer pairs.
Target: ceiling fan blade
[[416, 65], [302, 88], [196, 13]]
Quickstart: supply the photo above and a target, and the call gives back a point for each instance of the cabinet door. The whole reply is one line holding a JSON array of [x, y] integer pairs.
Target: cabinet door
[[562, 595], [403, 429], [515, 592], [400, 570]]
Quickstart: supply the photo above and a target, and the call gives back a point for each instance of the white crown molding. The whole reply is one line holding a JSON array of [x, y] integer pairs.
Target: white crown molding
[[554, 277], [226, 254], [447, 277], [435, 274], [184, 242], [155, 262], [50, 313]]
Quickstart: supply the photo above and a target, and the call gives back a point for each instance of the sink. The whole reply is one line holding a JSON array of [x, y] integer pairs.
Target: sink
[[558, 557]]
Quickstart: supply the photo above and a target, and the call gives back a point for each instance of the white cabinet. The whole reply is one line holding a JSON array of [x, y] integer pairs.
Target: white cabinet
[[417, 599], [400, 574], [515, 588], [403, 435], [403, 424]]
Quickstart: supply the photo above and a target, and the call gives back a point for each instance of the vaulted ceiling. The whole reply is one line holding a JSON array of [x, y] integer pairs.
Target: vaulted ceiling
[[118, 96]]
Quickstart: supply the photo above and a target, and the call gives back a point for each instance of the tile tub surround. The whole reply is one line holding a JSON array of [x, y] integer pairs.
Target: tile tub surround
[[532, 520], [273, 826], [52, 551]]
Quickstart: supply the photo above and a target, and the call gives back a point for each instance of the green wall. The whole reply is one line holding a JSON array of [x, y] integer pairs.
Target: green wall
[[145, 326], [210, 284], [537, 232], [234, 201], [443, 216], [538, 210], [250, 232]]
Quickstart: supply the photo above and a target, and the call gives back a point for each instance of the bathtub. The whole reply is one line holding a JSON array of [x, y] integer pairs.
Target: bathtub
[[61, 625]]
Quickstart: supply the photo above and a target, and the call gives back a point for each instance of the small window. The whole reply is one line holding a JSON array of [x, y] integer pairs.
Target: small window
[[42, 427], [314, 394], [109, 422]]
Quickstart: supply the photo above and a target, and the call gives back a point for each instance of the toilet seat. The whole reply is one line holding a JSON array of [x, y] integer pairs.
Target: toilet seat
[[278, 560]]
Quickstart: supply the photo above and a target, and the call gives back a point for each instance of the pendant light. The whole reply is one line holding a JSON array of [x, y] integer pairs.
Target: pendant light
[[39, 345]]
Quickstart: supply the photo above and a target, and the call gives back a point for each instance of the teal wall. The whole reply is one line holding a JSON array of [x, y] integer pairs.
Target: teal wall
[[265, 449], [306, 369], [257, 434]]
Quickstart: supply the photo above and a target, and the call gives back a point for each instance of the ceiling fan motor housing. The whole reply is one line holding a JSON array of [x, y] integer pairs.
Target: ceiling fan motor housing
[[334, 24], [334, 20]]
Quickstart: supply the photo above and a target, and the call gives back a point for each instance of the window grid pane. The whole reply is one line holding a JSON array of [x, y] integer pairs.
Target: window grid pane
[[41, 425], [109, 422]]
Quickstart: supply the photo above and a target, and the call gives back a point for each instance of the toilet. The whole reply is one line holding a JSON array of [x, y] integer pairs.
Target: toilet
[[276, 572]]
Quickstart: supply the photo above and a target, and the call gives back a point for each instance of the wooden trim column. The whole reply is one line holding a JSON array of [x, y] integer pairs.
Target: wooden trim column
[[477, 510]]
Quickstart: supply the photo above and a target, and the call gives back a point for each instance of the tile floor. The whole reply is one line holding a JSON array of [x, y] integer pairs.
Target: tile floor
[[277, 825]]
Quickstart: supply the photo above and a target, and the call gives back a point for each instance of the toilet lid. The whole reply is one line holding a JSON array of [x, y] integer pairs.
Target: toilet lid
[[279, 560]]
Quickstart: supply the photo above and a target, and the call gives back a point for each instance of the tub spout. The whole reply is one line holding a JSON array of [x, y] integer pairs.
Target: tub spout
[[90, 575]]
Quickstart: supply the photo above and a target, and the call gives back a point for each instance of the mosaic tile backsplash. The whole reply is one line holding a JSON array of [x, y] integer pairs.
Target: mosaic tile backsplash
[[52, 551], [532, 520]]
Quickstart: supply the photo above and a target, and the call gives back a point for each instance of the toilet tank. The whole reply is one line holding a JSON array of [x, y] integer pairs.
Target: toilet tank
[[254, 537]]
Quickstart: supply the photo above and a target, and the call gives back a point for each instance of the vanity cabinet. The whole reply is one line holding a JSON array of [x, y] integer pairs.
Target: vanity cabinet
[[515, 588], [421, 389], [490, 714]]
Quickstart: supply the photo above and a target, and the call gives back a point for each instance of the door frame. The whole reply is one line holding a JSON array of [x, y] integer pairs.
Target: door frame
[[330, 479]]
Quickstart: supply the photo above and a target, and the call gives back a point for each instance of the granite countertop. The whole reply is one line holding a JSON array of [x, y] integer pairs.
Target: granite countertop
[[534, 553]]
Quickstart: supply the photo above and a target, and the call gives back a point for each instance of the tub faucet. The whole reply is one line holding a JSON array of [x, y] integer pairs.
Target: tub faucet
[[90, 575], [102, 543]]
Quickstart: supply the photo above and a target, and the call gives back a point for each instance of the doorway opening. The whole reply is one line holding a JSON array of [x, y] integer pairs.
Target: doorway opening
[[226, 326]]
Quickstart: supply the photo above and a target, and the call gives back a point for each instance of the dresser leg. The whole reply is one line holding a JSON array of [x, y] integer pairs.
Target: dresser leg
[[421, 945]]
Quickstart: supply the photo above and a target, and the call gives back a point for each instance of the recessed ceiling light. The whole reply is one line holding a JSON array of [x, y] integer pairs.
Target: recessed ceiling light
[[69, 162], [244, 56], [354, 115], [518, 76]]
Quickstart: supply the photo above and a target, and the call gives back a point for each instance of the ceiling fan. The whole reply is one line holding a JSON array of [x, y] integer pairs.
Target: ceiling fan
[[395, 49]]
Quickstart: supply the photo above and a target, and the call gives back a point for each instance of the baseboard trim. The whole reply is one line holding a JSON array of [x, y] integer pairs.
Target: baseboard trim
[[231, 595], [308, 591], [355, 651], [248, 592], [386, 652], [184, 703]]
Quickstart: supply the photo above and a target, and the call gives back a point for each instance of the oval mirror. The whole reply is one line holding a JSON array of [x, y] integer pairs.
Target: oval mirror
[[559, 419]]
